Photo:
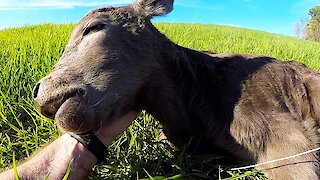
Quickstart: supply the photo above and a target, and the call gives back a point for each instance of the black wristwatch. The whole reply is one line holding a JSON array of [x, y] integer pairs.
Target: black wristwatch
[[92, 143]]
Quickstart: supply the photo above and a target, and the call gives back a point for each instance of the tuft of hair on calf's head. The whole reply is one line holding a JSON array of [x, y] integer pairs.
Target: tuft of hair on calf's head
[[151, 8]]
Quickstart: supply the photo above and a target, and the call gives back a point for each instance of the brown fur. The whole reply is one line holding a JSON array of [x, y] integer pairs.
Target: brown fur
[[250, 108]]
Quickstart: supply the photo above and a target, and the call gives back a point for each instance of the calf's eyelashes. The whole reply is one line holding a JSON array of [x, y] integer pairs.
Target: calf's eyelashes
[[93, 26]]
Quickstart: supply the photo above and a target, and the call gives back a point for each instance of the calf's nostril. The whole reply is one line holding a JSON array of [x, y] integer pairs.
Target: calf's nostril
[[81, 92], [36, 91], [47, 113]]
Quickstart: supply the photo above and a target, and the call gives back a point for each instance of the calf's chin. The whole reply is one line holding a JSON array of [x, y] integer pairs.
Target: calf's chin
[[76, 117]]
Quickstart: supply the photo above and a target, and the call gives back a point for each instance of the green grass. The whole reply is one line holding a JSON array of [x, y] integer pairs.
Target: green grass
[[28, 53]]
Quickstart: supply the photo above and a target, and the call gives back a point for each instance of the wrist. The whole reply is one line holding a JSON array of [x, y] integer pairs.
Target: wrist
[[92, 144], [82, 157], [70, 150]]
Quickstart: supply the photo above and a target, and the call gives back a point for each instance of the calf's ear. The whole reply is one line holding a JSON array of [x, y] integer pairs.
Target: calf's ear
[[151, 8]]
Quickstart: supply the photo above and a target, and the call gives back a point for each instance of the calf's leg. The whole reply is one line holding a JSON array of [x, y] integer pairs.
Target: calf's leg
[[286, 140]]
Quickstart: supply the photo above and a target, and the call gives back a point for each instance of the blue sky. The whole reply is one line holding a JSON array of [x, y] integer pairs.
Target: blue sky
[[276, 16]]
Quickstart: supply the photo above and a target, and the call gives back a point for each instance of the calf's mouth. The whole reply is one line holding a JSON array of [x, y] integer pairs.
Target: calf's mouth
[[53, 103], [70, 109]]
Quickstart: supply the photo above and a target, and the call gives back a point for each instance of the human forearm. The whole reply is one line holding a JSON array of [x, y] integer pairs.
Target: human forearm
[[55, 158], [53, 161]]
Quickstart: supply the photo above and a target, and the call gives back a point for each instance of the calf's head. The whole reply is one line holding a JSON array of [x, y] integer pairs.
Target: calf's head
[[109, 56]]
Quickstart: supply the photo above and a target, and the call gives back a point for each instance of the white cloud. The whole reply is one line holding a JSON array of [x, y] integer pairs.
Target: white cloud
[[33, 4], [11, 8]]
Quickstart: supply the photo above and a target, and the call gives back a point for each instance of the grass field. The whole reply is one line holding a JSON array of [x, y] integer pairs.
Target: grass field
[[28, 53]]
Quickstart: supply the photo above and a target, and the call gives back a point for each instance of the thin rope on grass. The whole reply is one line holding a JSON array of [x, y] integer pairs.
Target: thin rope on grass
[[276, 160]]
